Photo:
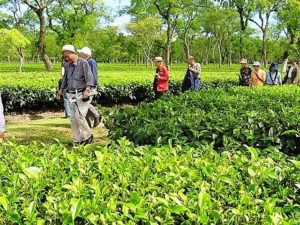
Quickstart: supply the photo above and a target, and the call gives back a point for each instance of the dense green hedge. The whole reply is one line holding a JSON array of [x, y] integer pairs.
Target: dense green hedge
[[253, 116], [21, 98], [122, 184]]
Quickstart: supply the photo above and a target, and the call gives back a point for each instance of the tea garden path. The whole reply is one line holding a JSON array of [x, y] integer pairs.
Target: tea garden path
[[46, 128]]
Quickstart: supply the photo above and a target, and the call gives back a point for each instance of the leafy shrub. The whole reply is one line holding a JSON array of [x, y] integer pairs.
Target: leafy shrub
[[253, 116], [122, 184], [21, 98]]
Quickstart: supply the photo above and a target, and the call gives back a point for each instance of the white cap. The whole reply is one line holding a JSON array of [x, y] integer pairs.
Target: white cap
[[85, 50], [158, 59], [69, 48], [256, 63]]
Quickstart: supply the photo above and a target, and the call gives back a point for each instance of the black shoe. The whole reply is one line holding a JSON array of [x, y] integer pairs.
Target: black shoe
[[89, 140]]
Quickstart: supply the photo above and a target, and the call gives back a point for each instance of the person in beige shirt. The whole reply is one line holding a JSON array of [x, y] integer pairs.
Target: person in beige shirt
[[258, 76]]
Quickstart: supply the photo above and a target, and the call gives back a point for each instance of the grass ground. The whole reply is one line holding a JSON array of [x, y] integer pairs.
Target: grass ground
[[45, 128]]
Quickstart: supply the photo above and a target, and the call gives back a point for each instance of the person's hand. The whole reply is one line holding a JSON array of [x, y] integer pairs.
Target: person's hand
[[86, 94], [157, 76], [58, 95]]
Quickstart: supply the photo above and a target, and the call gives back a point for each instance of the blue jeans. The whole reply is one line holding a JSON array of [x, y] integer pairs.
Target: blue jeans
[[67, 105]]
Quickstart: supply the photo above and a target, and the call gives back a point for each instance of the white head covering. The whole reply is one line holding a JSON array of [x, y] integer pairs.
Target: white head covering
[[86, 51], [69, 48]]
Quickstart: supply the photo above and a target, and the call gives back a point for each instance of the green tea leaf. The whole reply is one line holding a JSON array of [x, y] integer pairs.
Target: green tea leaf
[[32, 172], [4, 202]]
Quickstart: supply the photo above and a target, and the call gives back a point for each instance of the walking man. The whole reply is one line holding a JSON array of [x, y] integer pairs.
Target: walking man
[[93, 114], [78, 81]]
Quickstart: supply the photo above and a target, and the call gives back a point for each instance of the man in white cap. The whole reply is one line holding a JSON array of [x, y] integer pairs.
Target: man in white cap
[[78, 80], [258, 76], [245, 73], [92, 114]]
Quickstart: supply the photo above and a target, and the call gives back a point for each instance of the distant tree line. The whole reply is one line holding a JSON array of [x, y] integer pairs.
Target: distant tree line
[[220, 32]]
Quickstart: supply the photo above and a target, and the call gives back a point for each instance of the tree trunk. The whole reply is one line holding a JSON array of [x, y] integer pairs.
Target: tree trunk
[[220, 52], [230, 55], [169, 44], [20, 53], [41, 41], [264, 48], [186, 46], [242, 44]]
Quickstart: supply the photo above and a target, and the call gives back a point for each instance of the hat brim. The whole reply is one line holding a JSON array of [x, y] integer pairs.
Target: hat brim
[[68, 50]]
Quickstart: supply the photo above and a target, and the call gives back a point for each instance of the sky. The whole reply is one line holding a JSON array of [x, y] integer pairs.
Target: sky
[[116, 5]]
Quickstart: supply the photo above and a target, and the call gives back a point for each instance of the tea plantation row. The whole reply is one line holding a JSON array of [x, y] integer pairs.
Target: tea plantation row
[[29, 91], [258, 117], [123, 184]]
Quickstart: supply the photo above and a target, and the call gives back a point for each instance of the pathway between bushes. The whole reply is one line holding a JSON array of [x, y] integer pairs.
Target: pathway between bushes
[[45, 128]]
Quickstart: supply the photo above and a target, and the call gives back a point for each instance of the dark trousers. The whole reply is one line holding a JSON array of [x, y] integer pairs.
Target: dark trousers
[[158, 95]]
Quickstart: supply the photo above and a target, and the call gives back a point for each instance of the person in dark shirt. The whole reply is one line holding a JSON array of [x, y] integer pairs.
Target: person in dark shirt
[[245, 73], [93, 114]]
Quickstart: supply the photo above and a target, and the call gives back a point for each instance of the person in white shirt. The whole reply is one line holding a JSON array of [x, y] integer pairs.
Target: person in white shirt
[[273, 75]]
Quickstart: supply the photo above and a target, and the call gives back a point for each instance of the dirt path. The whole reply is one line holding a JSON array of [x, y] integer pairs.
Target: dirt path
[[46, 128]]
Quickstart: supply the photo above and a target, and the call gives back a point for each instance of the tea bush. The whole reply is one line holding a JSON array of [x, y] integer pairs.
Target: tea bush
[[36, 90], [254, 116], [123, 184]]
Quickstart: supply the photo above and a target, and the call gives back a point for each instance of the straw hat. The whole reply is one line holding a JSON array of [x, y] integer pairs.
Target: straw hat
[[244, 61], [256, 63], [158, 59]]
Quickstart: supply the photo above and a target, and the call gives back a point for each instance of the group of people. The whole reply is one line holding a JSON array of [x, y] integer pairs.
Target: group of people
[[258, 77], [79, 82], [191, 79], [247, 76], [78, 86]]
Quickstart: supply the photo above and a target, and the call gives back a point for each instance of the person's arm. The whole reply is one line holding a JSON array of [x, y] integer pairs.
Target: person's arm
[[197, 70], [94, 70], [279, 79], [264, 77], [62, 85], [164, 74], [295, 75], [89, 80]]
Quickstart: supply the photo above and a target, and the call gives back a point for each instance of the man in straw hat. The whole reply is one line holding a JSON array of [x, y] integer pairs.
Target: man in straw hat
[[258, 76], [245, 73], [78, 81], [161, 79]]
